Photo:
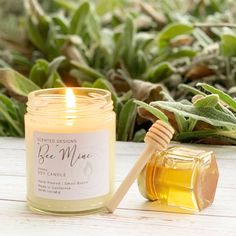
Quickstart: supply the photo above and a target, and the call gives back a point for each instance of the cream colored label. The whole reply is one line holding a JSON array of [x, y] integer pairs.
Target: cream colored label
[[71, 166]]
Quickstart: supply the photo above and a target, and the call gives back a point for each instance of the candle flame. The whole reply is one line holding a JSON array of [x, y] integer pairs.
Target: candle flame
[[70, 98]]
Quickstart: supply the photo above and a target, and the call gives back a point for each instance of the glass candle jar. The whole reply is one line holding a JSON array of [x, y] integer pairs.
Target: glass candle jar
[[70, 146], [180, 177]]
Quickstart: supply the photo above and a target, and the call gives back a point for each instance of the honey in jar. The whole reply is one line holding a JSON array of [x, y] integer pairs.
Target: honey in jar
[[180, 177]]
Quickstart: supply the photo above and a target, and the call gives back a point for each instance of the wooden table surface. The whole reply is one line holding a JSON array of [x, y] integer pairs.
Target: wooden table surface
[[135, 216]]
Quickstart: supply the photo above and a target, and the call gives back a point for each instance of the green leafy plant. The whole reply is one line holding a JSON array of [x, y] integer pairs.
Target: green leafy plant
[[139, 50], [209, 116]]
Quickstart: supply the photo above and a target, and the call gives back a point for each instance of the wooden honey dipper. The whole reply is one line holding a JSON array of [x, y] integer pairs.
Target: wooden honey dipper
[[157, 139]]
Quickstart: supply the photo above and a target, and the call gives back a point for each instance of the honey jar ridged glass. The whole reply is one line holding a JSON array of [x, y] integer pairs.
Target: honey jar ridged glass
[[180, 177]]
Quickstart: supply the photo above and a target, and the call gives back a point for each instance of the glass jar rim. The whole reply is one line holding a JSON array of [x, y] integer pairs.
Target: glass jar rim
[[52, 101], [48, 91]]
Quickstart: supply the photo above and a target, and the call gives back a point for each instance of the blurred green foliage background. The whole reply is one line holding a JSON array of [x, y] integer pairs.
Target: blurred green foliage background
[[151, 54]]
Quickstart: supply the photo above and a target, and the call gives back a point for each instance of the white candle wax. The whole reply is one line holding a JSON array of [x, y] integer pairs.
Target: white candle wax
[[70, 150]]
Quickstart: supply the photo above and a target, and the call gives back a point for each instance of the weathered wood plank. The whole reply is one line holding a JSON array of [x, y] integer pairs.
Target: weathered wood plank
[[135, 216], [14, 188], [12, 143], [19, 221]]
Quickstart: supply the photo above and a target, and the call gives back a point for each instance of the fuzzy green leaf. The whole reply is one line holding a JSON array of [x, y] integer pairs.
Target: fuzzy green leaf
[[90, 72], [128, 41], [54, 81], [175, 29], [186, 136], [127, 121], [104, 6], [10, 105], [206, 114], [93, 25], [87, 84], [14, 124], [228, 45], [79, 18], [67, 5], [61, 23], [54, 65], [16, 83], [160, 72], [183, 53], [4, 64], [139, 135], [223, 96], [190, 89], [208, 101], [156, 112], [35, 35], [180, 120], [139, 64], [39, 72]]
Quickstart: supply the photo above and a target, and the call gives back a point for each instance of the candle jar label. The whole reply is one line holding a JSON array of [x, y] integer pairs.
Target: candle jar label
[[71, 166]]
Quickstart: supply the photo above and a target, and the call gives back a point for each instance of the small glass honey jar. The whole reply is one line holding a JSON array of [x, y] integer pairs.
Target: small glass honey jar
[[180, 177]]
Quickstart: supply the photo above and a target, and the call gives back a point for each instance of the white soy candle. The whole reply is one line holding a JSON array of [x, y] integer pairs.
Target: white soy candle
[[70, 145]]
